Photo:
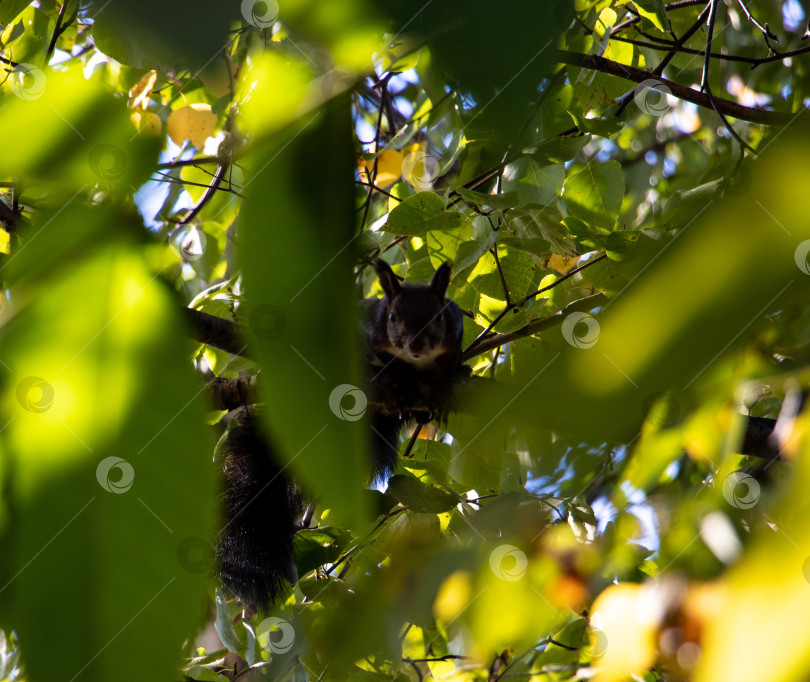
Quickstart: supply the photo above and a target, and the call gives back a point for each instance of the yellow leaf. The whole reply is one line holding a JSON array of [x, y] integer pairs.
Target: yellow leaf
[[623, 638], [195, 122], [5, 241], [140, 93], [454, 596], [147, 122], [561, 264], [389, 168]]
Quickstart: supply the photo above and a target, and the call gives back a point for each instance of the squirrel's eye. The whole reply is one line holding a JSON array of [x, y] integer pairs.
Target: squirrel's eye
[[392, 317], [441, 317]]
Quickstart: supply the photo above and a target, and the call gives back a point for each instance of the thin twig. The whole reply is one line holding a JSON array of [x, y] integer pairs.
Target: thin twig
[[728, 107], [207, 195], [57, 31], [378, 135], [766, 32]]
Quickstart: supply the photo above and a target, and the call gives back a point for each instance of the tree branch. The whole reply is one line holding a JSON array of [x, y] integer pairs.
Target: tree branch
[[488, 343], [631, 73], [217, 332], [388, 392]]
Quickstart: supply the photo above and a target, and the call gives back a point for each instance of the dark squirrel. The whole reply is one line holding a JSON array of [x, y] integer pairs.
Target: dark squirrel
[[413, 332]]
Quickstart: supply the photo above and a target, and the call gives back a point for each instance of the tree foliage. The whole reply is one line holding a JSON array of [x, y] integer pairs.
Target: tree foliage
[[621, 187]]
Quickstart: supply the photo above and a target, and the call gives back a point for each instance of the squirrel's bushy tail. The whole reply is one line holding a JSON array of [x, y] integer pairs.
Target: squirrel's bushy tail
[[261, 508], [384, 443]]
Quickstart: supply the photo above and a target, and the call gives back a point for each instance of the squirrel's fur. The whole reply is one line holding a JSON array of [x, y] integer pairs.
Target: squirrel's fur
[[413, 329]]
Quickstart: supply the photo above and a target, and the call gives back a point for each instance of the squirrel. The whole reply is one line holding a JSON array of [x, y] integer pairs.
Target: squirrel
[[414, 334]]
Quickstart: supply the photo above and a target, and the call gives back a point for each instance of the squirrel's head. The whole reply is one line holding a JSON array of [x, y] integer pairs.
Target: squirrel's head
[[416, 324]]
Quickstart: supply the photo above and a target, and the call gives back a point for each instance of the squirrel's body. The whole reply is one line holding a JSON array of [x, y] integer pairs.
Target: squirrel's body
[[413, 332]]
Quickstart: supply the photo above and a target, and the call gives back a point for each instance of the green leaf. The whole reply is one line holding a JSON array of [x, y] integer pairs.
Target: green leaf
[[656, 12], [665, 330], [558, 149], [497, 201], [595, 193], [420, 214], [315, 547], [522, 35], [469, 253], [85, 136], [516, 270], [300, 308], [106, 453], [419, 497], [535, 183], [29, 37], [599, 125], [544, 222], [146, 36], [9, 9]]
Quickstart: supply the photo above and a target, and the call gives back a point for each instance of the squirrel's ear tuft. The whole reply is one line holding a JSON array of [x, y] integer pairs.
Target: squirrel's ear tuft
[[441, 280], [388, 280]]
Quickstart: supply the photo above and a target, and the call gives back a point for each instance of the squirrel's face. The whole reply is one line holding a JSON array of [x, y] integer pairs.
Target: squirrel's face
[[416, 326]]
